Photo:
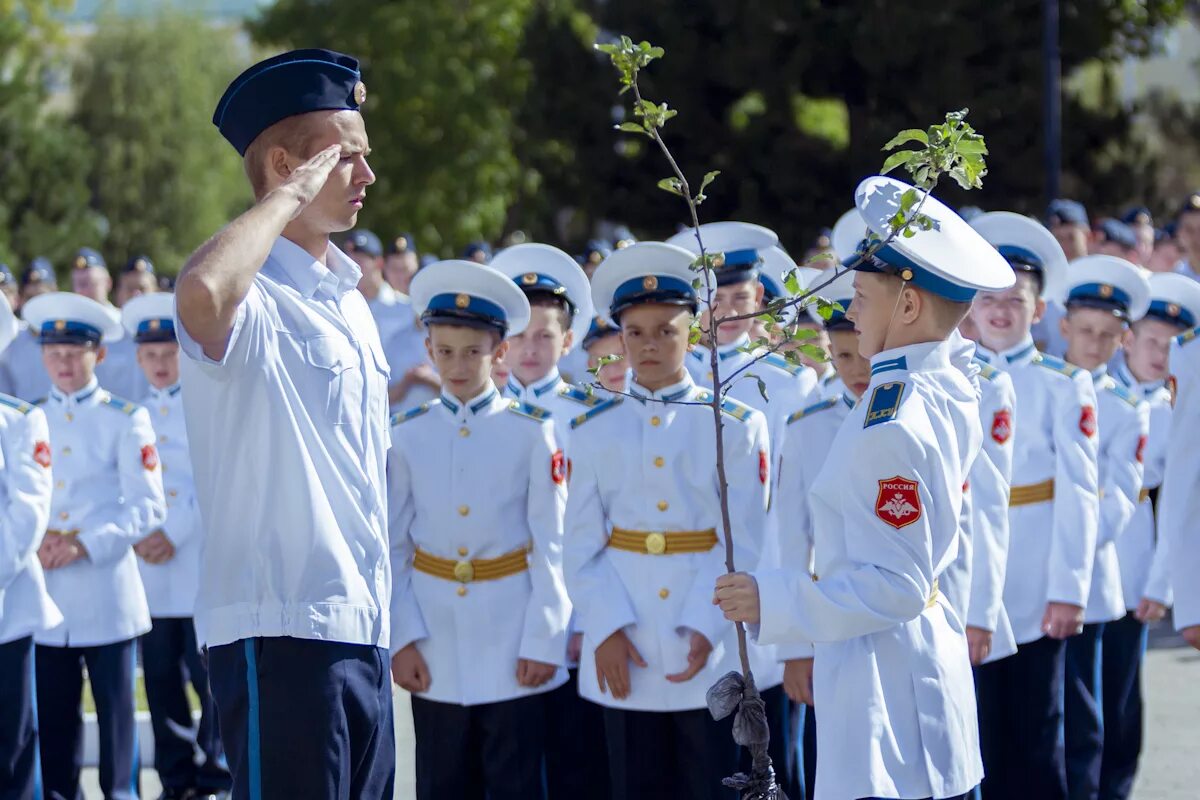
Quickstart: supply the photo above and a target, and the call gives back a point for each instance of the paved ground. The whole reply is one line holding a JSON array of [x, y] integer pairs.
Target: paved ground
[[1170, 761]]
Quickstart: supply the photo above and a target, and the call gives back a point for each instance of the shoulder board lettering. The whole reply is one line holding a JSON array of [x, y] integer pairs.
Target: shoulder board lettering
[[885, 403], [778, 361], [122, 405], [595, 411], [580, 396], [528, 411], [18, 404], [814, 408], [1187, 336], [1056, 365], [413, 413], [1123, 393]]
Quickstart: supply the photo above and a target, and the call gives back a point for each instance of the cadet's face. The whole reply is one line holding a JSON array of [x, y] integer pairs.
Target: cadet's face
[[734, 300], [93, 282], [1093, 336], [1004, 318], [1073, 238], [1108, 248], [336, 206], [852, 368], [398, 270], [71, 366], [821, 340], [13, 295], [872, 309], [500, 371], [134, 284], [535, 351], [612, 375], [1148, 350], [1187, 233], [34, 289], [160, 362], [1145, 242], [1165, 256], [464, 358], [656, 342]]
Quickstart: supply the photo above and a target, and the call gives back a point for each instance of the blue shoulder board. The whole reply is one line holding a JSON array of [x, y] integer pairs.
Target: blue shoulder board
[[124, 406], [413, 413], [1056, 364], [778, 361], [885, 402], [987, 371], [1187, 336], [580, 396], [1123, 393], [13, 402], [528, 411], [739, 411], [814, 408], [596, 410]]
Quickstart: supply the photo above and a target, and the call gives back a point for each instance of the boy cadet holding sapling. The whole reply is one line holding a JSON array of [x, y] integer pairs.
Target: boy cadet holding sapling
[[473, 567]]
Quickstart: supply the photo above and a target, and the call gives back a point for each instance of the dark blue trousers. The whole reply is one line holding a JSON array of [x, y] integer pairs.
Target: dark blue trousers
[[1122, 651], [305, 718], [1083, 718], [576, 754], [1020, 723], [668, 754], [185, 756], [20, 770], [492, 750], [810, 753], [110, 670]]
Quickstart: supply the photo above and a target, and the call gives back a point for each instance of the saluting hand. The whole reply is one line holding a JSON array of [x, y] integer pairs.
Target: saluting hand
[[409, 669], [308, 179], [737, 595], [612, 664]]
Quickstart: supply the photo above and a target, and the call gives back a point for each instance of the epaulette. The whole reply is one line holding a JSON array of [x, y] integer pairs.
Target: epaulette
[[1057, 365], [1123, 393], [779, 362], [596, 410], [528, 411], [814, 408], [413, 413], [739, 411], [580, 396], [1187, 336], [122, 405], [13, 402], [987, 371], [885, 403]]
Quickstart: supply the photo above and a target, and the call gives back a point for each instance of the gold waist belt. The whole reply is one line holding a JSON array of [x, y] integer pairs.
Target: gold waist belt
[[72, 532], [476, 569], [931, 601], [1032, 493], [657, 543], [1143, 495]]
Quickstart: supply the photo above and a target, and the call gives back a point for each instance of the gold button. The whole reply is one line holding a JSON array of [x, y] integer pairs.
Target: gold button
[[66, 451], [172, 493], [659, 461], [63, 515], [164, 410], [664, 593], [710, 376], [462, 551], [464, 432], [70, 416], [663, 505], [60, 484], [464, 571], [462, 591], [655, 421], [162, 438], [656, 544], [464, 510]]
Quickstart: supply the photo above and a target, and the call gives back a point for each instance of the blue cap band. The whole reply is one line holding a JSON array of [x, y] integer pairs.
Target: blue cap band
[[467, 305], [772, 288], [1172, 313], [1102, 294], [155, 330], [1019, 257], [652, 289], [65, 331], [540, 282], [897, 264]]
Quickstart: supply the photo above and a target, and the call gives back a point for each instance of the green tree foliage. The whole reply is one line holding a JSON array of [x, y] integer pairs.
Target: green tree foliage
[[161, 176], [443, 82]]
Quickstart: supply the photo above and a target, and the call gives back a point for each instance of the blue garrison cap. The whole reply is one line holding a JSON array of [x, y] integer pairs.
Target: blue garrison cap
[[1138, 215], [1066, 212], [474, 248], [6, 275], [404, 243], [363, 241], [1190, 203], [87, 257], [40, 270], [139, 264], [286, 85], [596, 251], [1118, 232]]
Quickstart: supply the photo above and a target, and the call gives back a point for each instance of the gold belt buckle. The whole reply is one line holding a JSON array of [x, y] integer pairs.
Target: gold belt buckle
[[464, 571], [656, 544]]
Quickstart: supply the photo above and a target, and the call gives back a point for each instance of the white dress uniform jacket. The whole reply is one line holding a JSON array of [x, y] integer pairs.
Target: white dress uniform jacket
[[1052, 542], [891, 654], [649, 464], [21, 372], [25, 487], [1179, 502], [1124, 430], [469, 481], [289, 436], [108, 487], [171, 587], [1140, 552], [564, 401]]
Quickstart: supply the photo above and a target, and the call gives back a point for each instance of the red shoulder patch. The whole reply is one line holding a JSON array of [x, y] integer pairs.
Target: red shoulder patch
[[149, 457], [899, 501], [764, 469], [41, 454], [1141, 449], [1002, 426], [558, 467], [1087, 421]]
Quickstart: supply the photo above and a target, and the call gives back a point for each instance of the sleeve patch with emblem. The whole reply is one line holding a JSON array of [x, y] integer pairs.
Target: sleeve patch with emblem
[[1002, 426], [764, 469], [1087, 421], [149, 457], [899, 502], [1141, 449], [41, 454], [558, 467]]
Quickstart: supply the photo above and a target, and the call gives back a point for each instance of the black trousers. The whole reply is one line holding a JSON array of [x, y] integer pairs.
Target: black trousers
[[810, 753], [657, 755], [305, 718], [110, 670], [1122, 651], [785, 719], [20, 771], [185, 756], [491, 751], [1084, 723], [1020, 719], [576, 753]]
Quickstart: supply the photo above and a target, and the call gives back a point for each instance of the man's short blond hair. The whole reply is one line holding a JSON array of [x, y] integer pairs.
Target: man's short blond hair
[[294, 134]]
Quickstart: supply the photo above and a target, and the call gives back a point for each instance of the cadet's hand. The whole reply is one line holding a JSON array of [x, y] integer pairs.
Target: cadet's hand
[[58, 551], [1192, 636], [697, 658], [47, 549], [1150, 611], [533, 673], [1062, 620], [612, 664], [797, 680], [409, 669], [979, 644], [308, 179], [737, 595], [155, 548], [574, 648]]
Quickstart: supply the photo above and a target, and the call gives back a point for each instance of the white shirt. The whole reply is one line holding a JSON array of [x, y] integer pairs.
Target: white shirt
[[22, 373], [1052, 544], [171, 587], [1179, 502], [289, 434], [108, 487], [25, 487], [891, 655], [393, 312], [497, 488], [648, 464]]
